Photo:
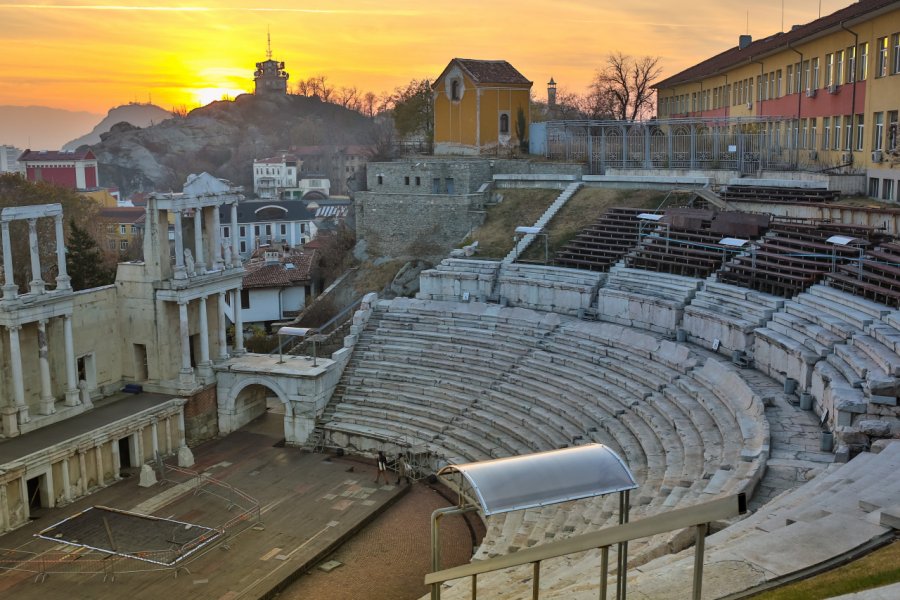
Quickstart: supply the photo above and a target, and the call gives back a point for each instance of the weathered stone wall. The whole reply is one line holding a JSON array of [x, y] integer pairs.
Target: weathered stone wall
[[399, 177], [201, 421], [503, 166], [409, 225]]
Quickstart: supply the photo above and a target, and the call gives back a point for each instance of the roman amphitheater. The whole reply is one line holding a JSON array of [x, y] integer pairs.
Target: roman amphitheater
[[739, 347], [716, 352]]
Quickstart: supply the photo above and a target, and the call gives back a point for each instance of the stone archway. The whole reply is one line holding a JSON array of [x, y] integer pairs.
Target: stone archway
[[246, 400]]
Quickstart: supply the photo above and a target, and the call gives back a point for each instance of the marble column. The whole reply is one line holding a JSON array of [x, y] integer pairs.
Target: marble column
[[139, 437], [63, 281], [187, 372], [36, 284], [82, 466], [223, 339], [235, 257], [238, 324], [66, 480], [116, 460], [168, 436], [10, 290], [98, 459], [15, 355], [72, 398], [180, 271], [185, 456], [205, 366], [199, 253], [154, 429], [217, 261], [47, 400]]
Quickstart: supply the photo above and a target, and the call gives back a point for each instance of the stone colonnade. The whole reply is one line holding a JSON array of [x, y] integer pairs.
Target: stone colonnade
[[76, 467], [23, 309], [193, 266]]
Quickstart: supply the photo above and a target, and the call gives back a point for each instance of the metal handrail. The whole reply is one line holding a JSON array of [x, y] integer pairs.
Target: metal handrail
[[698, 516]]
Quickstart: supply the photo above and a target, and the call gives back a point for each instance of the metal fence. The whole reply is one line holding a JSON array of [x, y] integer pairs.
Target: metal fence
[[745, 144]]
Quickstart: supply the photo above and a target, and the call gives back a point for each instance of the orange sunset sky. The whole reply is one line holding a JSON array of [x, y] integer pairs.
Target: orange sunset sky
[[91, 55]]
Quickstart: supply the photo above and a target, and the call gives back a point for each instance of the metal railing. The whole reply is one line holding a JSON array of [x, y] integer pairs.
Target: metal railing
[[743, 144], [698, 517]]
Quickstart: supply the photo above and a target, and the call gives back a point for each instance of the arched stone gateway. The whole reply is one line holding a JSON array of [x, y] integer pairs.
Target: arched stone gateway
[[244, 383]]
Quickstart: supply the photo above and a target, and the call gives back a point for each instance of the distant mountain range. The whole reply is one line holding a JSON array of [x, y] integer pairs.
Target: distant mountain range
[[42, 127], [139, 115]]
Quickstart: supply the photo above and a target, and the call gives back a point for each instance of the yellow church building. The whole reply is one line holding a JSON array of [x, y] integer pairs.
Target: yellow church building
[[476, 106]]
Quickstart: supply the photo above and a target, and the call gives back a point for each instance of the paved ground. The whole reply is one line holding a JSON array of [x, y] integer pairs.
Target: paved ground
[[309, 503], [110, 410], [388, 559]]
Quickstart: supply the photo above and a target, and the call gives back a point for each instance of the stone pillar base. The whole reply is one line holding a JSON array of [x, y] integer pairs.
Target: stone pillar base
[[10, 292], [148, 476], [10, 423], [205, 369], [63, 282], [185, 457], [186, 377], [23, 415], [48, 406], [72, 398]]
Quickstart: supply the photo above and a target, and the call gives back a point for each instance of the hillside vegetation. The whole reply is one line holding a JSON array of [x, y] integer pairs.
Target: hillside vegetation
[[525, 206], [222, 138]]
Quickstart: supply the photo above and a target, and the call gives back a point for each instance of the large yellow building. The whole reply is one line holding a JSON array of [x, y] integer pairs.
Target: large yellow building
[[477, 105], [829, 89]]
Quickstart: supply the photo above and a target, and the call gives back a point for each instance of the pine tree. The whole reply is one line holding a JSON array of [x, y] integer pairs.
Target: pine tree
[[84, 262]]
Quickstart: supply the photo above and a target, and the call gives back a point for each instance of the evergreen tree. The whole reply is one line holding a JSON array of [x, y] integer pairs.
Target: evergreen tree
[[84, 262]]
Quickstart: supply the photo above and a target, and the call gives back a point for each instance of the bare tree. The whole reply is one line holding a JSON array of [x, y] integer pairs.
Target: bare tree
[[369, 102], [626, 82], [349, 98]]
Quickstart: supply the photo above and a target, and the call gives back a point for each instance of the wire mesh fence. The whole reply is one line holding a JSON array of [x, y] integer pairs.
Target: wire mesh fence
[[102, 540]]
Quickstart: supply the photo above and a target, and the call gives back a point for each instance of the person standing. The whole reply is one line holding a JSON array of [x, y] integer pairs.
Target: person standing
[[381, 464], [402, 469]]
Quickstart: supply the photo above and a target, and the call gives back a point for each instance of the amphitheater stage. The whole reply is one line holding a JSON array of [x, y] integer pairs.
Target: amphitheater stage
[[309, 505]]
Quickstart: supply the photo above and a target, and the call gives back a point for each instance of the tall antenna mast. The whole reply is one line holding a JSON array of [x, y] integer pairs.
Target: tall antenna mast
[[269, 44]]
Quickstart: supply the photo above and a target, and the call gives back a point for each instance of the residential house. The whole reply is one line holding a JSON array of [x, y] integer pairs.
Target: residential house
[[265, 222], [476, 105], [279, 281]]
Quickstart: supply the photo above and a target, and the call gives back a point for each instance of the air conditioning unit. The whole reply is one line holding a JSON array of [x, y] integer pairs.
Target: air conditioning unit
[[833, 89], [813, 155], [810, 93], [877, 156], [846, 158], [749, 105]]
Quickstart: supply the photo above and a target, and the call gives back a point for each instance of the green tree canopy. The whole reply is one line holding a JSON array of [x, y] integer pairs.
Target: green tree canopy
[[413, 110], [84, 261], [16, 191]]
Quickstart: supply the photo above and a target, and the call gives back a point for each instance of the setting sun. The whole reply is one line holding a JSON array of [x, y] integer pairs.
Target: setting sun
[[204, 96]]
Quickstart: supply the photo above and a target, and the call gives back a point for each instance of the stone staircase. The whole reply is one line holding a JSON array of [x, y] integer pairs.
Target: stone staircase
[[551, 211]]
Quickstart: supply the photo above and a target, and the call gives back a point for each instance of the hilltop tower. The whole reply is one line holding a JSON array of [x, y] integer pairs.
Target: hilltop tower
[[270, 76]]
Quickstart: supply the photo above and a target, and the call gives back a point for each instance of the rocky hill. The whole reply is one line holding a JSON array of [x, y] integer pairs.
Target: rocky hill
[[221, 138], [139, 115]]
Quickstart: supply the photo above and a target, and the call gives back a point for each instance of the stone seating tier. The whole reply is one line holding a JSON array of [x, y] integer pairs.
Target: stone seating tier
[[472, 382], [729, 314]]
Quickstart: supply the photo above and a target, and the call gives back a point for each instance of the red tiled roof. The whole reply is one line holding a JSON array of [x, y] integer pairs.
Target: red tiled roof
[[260, 275], [42, 155], [487, 71], [736, 56]]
